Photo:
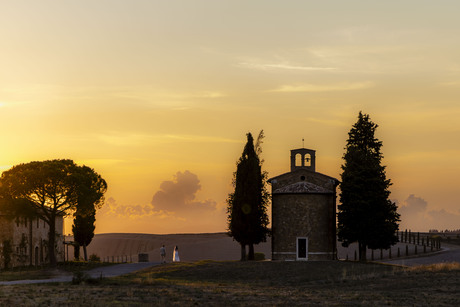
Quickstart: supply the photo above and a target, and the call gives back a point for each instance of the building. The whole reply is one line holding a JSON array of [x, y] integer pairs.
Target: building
[[303, 211], [28, 239]]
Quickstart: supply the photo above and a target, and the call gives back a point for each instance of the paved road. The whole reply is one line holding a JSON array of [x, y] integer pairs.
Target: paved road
[[450, 253], [107, 271]]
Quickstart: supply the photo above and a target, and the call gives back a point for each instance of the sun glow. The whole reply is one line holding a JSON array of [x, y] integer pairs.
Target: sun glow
[[141, 92]]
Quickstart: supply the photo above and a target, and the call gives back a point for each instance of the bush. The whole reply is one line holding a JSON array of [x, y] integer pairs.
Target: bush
[[259, 256], [80, 277], [94, 258]]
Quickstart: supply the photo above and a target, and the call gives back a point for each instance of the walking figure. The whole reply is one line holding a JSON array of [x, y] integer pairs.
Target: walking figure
[[163, 254]]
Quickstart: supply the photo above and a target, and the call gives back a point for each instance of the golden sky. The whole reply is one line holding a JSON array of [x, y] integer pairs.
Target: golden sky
[[157, 97]]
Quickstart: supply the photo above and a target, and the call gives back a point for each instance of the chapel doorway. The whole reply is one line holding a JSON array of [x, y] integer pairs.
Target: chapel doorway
[[302, 248]]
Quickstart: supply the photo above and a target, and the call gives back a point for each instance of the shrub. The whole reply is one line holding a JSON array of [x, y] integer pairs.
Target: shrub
[[94, 258], [80, 277], [259, 256], [7, 252]]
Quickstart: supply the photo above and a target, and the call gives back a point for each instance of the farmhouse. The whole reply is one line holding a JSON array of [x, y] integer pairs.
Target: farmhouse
[[25, 240], [303, 211]]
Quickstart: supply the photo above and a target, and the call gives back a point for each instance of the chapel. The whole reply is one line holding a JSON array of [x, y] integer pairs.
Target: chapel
[[303, 211]]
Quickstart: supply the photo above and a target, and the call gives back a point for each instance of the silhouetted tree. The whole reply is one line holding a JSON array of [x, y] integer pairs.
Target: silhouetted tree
[[7, 252], [365, 215], [90, 191], [247, 205], [48, 188]]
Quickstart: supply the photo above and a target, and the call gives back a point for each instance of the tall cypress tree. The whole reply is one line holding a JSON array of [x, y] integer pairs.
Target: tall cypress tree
[[90, 196], [247, 205], [365, 215]]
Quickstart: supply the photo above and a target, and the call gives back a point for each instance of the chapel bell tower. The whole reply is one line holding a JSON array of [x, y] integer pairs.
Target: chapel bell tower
[[303, 158]]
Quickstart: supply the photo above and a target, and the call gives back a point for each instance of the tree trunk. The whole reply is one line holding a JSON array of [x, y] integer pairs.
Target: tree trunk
[[51, 241], [251, 252], [84, 252], [362, 251], [30, 242], [243, 252], [76, 251]]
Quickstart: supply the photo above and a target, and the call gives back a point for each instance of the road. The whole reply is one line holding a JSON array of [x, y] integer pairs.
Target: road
[[449, 253], [107, 271]]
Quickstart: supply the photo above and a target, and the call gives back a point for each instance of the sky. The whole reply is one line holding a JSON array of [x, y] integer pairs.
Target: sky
[[157, 97]]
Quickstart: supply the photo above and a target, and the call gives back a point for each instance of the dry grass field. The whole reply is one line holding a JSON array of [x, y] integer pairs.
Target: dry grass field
[[266, 283]]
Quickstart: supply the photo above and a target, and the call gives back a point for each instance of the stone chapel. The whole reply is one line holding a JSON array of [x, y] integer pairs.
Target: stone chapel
[[303, 211]]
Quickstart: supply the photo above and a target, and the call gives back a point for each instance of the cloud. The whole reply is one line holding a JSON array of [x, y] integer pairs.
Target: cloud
[[442, 219], [284, 67], [179, 195], [117, 138], [112, 209], [416, 216], [176, 200], [413, 205], [311, 88]]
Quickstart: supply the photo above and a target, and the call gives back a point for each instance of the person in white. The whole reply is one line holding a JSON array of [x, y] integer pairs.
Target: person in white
[[176, 254], [163, 254]]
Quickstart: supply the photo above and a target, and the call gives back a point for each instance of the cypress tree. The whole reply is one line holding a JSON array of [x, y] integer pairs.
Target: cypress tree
[[247, 205], [365, 215]]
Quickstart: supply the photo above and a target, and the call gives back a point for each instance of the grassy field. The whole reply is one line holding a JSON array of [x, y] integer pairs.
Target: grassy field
[[266, 283]]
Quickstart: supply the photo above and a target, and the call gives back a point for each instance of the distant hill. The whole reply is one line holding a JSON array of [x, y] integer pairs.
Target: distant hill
[[201, 246]]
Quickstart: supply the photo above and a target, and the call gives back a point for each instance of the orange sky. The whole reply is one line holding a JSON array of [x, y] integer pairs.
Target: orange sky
[[157, 96]]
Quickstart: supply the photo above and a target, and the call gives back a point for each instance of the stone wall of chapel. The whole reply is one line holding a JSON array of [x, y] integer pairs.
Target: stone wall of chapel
[[303, 215]]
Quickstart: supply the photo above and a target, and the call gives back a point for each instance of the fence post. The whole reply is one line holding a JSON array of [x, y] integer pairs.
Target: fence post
[[407, 250], [399, 253], [355, 256], [389, 253], [415, 252], [405, 236], [381, 254], [418, 238]]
